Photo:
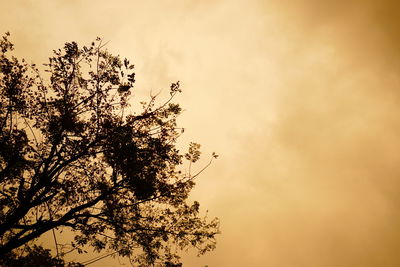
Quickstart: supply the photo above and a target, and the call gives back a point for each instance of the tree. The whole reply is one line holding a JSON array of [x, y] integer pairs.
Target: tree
[[74, 154]]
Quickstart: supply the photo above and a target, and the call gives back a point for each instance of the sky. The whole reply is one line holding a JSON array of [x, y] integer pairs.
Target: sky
[[299, 98]]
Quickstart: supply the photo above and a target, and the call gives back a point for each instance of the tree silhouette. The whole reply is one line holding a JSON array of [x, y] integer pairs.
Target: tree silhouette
[[74, 154]]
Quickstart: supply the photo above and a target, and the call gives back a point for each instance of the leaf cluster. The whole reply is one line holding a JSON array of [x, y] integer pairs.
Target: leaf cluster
[[34, 256]]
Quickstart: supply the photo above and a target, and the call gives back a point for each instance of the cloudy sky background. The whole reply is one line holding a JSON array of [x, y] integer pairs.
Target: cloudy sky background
[[300, 98]]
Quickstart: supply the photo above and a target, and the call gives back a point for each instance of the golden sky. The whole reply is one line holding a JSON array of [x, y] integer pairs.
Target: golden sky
[[300, 98]]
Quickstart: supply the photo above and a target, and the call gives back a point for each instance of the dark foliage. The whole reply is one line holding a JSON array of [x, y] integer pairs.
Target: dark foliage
[[74, 154], [34, 256]]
